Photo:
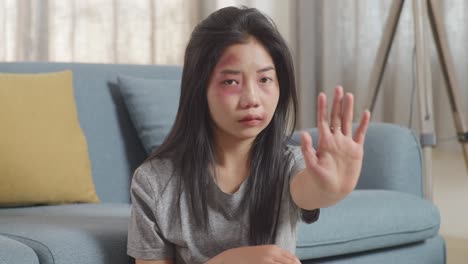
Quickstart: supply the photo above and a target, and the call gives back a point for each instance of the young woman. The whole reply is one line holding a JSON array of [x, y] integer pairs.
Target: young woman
[[225, 186]]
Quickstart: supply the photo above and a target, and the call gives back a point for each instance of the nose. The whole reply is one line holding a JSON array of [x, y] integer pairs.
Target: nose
[[249, 97]]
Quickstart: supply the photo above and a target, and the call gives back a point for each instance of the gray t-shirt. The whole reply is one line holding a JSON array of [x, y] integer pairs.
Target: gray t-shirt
[[162, 228]]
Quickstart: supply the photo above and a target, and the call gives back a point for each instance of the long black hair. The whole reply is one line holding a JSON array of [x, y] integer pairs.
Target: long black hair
[[190, 144]]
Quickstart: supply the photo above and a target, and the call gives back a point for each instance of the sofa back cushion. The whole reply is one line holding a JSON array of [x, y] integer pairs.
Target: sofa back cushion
[[43, 152], [392, 158], [113, 144], [152, 105]]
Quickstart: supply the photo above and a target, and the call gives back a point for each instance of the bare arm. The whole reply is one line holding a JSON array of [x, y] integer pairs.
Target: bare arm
[[166, 261]]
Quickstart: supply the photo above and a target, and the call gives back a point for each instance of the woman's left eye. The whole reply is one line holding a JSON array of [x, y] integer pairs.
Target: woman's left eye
[[265, 80]]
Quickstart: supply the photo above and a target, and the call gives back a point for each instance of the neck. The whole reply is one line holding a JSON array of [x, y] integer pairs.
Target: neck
[[232, 163], [232, 152]]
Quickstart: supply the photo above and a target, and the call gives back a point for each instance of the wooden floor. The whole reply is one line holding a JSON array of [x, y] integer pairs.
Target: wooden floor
[[451, 197]]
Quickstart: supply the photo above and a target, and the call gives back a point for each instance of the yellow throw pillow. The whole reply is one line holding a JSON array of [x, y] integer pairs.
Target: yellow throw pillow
[[43, 151]]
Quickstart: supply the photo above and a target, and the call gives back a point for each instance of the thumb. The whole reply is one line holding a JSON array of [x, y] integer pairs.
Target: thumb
[[310, 155]]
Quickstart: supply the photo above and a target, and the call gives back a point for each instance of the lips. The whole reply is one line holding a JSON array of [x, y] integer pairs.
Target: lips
[[251, 118]]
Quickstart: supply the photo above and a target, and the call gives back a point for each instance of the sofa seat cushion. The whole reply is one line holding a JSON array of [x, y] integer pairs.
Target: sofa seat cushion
[[12, 251], [431, 251], [79, 233], [366, 220]]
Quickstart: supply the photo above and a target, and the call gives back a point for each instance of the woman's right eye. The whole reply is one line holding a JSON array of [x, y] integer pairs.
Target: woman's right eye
[[230, 82]]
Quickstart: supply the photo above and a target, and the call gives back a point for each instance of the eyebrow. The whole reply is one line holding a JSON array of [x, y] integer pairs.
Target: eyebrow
[[229, 71]]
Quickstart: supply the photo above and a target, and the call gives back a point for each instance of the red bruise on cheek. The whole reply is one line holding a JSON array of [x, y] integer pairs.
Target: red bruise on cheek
[[222, 97], [227, 91]]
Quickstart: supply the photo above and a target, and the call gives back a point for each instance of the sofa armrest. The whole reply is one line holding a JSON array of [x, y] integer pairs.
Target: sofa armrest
[[12, 251], [392, 158]]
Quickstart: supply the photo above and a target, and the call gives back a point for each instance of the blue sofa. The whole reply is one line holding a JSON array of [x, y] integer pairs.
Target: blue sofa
[[385, 220]]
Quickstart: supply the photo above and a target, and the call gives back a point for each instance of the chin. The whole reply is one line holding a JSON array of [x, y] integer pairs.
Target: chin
[[250, 132]]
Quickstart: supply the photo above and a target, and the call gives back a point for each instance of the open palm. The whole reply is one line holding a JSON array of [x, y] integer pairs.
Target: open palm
[[336, 164]]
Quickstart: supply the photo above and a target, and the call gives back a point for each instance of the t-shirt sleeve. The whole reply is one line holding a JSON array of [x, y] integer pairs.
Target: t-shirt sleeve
[[145, 240], [298, 164]]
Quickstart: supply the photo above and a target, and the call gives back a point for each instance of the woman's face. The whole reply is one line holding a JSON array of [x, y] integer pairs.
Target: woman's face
[[243, 91]]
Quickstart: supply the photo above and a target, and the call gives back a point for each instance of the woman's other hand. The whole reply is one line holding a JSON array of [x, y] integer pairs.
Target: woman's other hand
[[255, 255]]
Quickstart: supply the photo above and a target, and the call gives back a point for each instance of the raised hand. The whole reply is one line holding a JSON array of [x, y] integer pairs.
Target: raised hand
[[334, 167]]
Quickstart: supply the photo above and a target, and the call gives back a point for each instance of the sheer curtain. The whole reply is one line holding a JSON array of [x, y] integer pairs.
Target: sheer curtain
[[338, 42], [106, 31], [110, 31]]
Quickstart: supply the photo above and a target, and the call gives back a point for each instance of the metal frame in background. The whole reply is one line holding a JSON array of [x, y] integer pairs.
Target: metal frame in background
[[423, 9]]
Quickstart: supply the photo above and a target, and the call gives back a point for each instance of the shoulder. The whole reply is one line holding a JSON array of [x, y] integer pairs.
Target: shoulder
[[294, 150], [295, 153], [155, 168], [154, 175], [296, 160]]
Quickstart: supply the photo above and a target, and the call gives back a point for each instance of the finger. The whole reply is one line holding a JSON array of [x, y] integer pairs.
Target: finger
[[322, 115], [337, 109], [362, 129], [348, 115], [307, 147]]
